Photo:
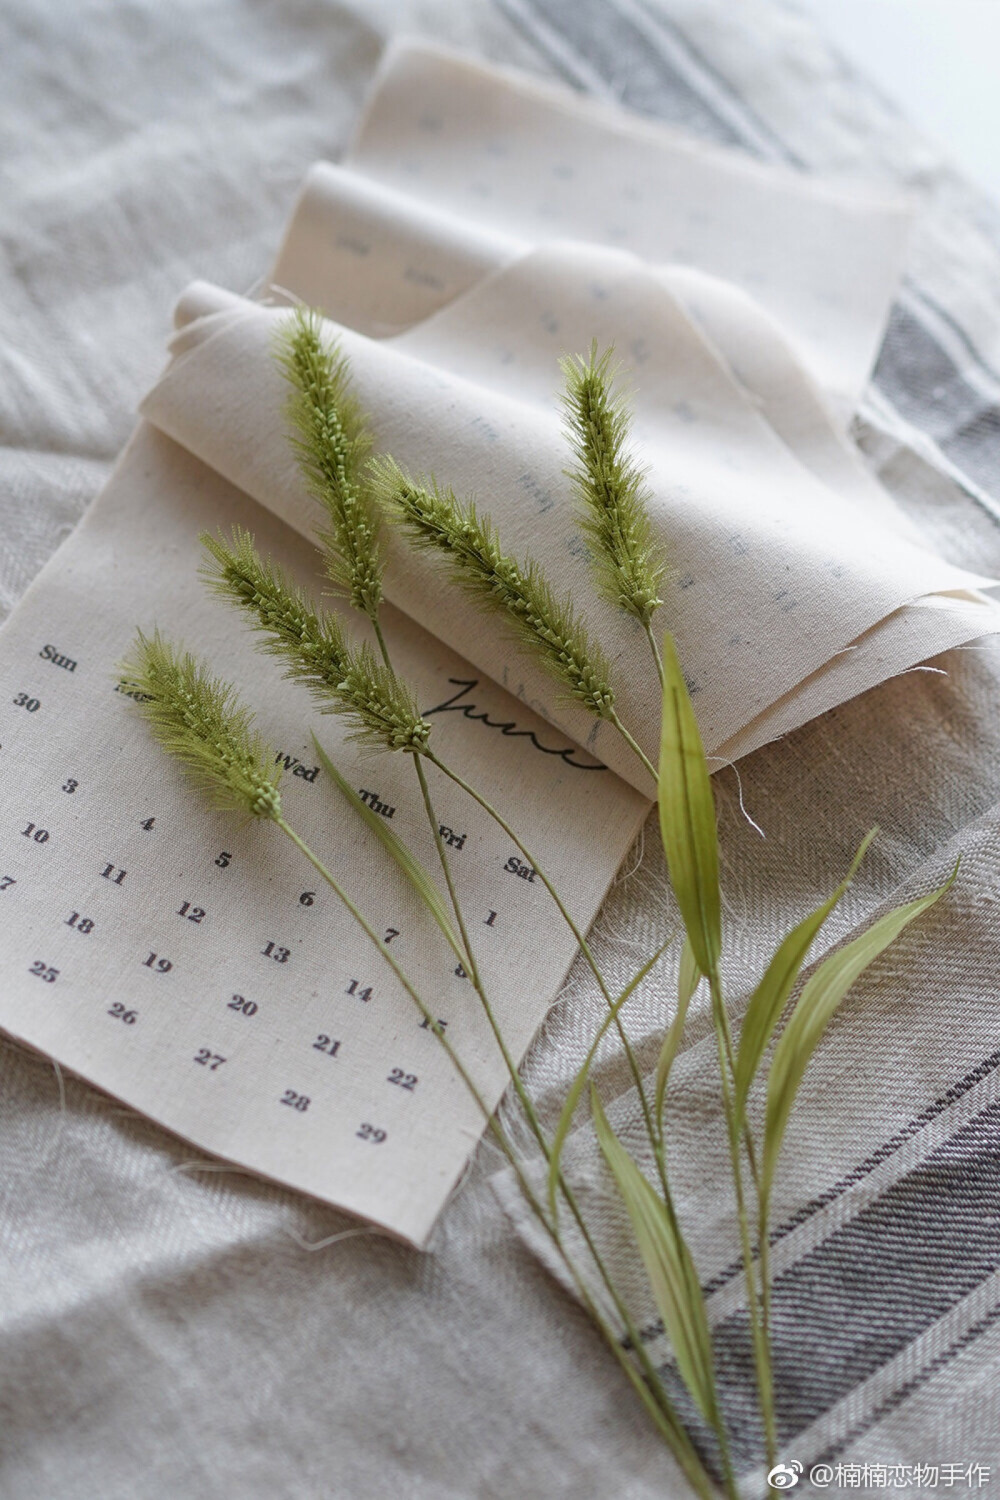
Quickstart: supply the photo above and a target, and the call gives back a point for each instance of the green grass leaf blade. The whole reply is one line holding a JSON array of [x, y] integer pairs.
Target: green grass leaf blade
[[771, 995], [407, 862], [576, 1088], [687, 817], [688, 980], [820, 997], [668, 1264]]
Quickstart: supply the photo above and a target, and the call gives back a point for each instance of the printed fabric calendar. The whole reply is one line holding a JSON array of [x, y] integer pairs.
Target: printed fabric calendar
[[191, 963]]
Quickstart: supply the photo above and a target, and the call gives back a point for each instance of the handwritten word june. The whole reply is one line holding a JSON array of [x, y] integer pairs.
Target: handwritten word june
[[458, 705]]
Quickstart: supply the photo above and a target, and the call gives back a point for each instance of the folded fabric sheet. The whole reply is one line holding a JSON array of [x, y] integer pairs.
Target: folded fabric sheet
[[423, 242], [381, 260], [512, 154], [786, 596]]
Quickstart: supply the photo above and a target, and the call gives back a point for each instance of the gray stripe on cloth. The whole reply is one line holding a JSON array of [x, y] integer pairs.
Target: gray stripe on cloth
[[755, 134], [624, 57], [933, 1367], [863, 1169], [926, 386], [731, 1335], [632, 51], [873, 1286]]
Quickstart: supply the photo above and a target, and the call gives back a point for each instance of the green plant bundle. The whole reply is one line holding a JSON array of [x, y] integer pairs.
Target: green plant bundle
[[200, 721]]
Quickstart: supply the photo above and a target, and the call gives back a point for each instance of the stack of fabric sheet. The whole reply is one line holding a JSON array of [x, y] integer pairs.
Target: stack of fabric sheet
[[832, 540]]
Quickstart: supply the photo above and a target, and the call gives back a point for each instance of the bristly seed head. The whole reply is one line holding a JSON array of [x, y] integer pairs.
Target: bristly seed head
[[314, 647], [547, 627], [331, 444], [610, 486], [199, 720]]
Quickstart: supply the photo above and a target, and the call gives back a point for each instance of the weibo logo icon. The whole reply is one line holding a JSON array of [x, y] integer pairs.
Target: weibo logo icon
[[785, 1476]]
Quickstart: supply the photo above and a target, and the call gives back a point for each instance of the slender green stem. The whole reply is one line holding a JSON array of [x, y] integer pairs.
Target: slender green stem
[[500, 820], [400, 974], [747, 1133], [632, 1332], [655, 648], [764, 1251], [370, 932], [765, 1372], [762, 1360], [650, 1389], [632, 744], [473, 968], [380, 638], [725, 1456], [523, 1097], [468, 960], [666, 1421]]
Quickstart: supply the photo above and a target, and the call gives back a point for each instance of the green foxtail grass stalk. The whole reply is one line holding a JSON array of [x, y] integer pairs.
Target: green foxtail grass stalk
[[543, 624], [332, 442], [314, 649], [613, 498]]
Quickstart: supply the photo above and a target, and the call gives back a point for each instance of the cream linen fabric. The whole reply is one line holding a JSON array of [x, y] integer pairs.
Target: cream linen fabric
[[789, 595], [163, 1333]]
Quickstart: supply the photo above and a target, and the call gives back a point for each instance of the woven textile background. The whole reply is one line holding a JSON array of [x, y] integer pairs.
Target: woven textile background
[[164, 1331]]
